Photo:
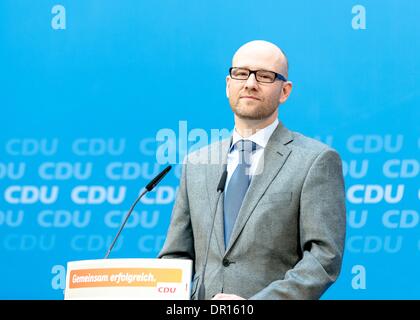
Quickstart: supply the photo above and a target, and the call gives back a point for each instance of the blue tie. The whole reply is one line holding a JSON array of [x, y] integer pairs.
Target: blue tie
[[237, 187]]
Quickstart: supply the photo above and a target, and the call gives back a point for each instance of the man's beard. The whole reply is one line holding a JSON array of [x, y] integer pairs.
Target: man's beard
[[245, 112]]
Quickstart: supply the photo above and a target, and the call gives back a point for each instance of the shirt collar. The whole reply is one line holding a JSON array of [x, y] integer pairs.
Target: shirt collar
[[261, 137]]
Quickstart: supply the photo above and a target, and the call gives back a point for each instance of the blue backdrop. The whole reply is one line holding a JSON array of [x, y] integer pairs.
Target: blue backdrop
[[86, 87]]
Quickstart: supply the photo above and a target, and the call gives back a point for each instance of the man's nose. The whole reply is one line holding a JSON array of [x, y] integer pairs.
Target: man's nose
[[251, 82]]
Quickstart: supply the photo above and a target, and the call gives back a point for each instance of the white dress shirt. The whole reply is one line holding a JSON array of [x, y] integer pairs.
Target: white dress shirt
[[260, 138]]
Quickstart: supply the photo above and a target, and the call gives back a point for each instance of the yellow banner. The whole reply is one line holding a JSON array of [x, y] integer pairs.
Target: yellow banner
[[122, 277]]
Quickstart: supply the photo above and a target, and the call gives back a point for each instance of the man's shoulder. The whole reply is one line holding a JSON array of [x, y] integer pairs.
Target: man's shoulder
[[213, 152]]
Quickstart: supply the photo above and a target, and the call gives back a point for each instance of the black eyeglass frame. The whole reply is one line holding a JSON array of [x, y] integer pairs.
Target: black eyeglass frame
[[278, 75]]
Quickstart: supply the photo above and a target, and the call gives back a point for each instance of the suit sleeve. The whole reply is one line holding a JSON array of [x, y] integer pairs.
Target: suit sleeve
[[179, 241], [322, 225]]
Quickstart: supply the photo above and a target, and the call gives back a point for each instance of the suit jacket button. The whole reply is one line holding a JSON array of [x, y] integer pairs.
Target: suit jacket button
[[226, 262]]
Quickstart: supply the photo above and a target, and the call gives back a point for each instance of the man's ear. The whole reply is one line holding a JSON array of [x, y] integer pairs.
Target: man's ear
[[285, 91], [227, 86]]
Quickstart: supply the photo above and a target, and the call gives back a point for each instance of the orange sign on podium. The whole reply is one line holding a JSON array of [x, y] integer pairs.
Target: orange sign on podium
[[142, 279]]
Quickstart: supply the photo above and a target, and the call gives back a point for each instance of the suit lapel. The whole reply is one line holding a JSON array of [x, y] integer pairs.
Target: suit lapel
[[275, 154], [218, 161]]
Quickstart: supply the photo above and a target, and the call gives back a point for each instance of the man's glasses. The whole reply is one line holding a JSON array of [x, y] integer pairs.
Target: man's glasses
[[263, 76]]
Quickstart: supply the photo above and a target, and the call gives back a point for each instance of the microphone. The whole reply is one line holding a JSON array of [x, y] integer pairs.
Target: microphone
[[220, 189], [222, 182], [157, 179], [148, 188]]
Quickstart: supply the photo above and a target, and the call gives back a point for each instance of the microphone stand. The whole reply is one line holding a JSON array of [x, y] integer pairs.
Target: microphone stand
[[123, 224], [148, 188], [220, 189]]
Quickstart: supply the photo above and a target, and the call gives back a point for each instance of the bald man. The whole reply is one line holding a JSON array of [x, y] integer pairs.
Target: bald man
[[272, 226]]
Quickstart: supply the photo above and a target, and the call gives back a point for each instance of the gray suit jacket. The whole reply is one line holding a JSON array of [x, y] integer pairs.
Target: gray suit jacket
[[288, 239]]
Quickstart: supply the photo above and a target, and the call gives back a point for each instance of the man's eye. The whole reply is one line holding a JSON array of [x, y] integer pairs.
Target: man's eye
[[265, 76]]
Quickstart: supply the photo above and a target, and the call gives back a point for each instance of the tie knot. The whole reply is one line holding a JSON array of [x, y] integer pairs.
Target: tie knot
[[246, 146]]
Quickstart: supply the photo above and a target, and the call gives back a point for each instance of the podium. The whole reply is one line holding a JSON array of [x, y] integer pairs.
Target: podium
[[128, 279]]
